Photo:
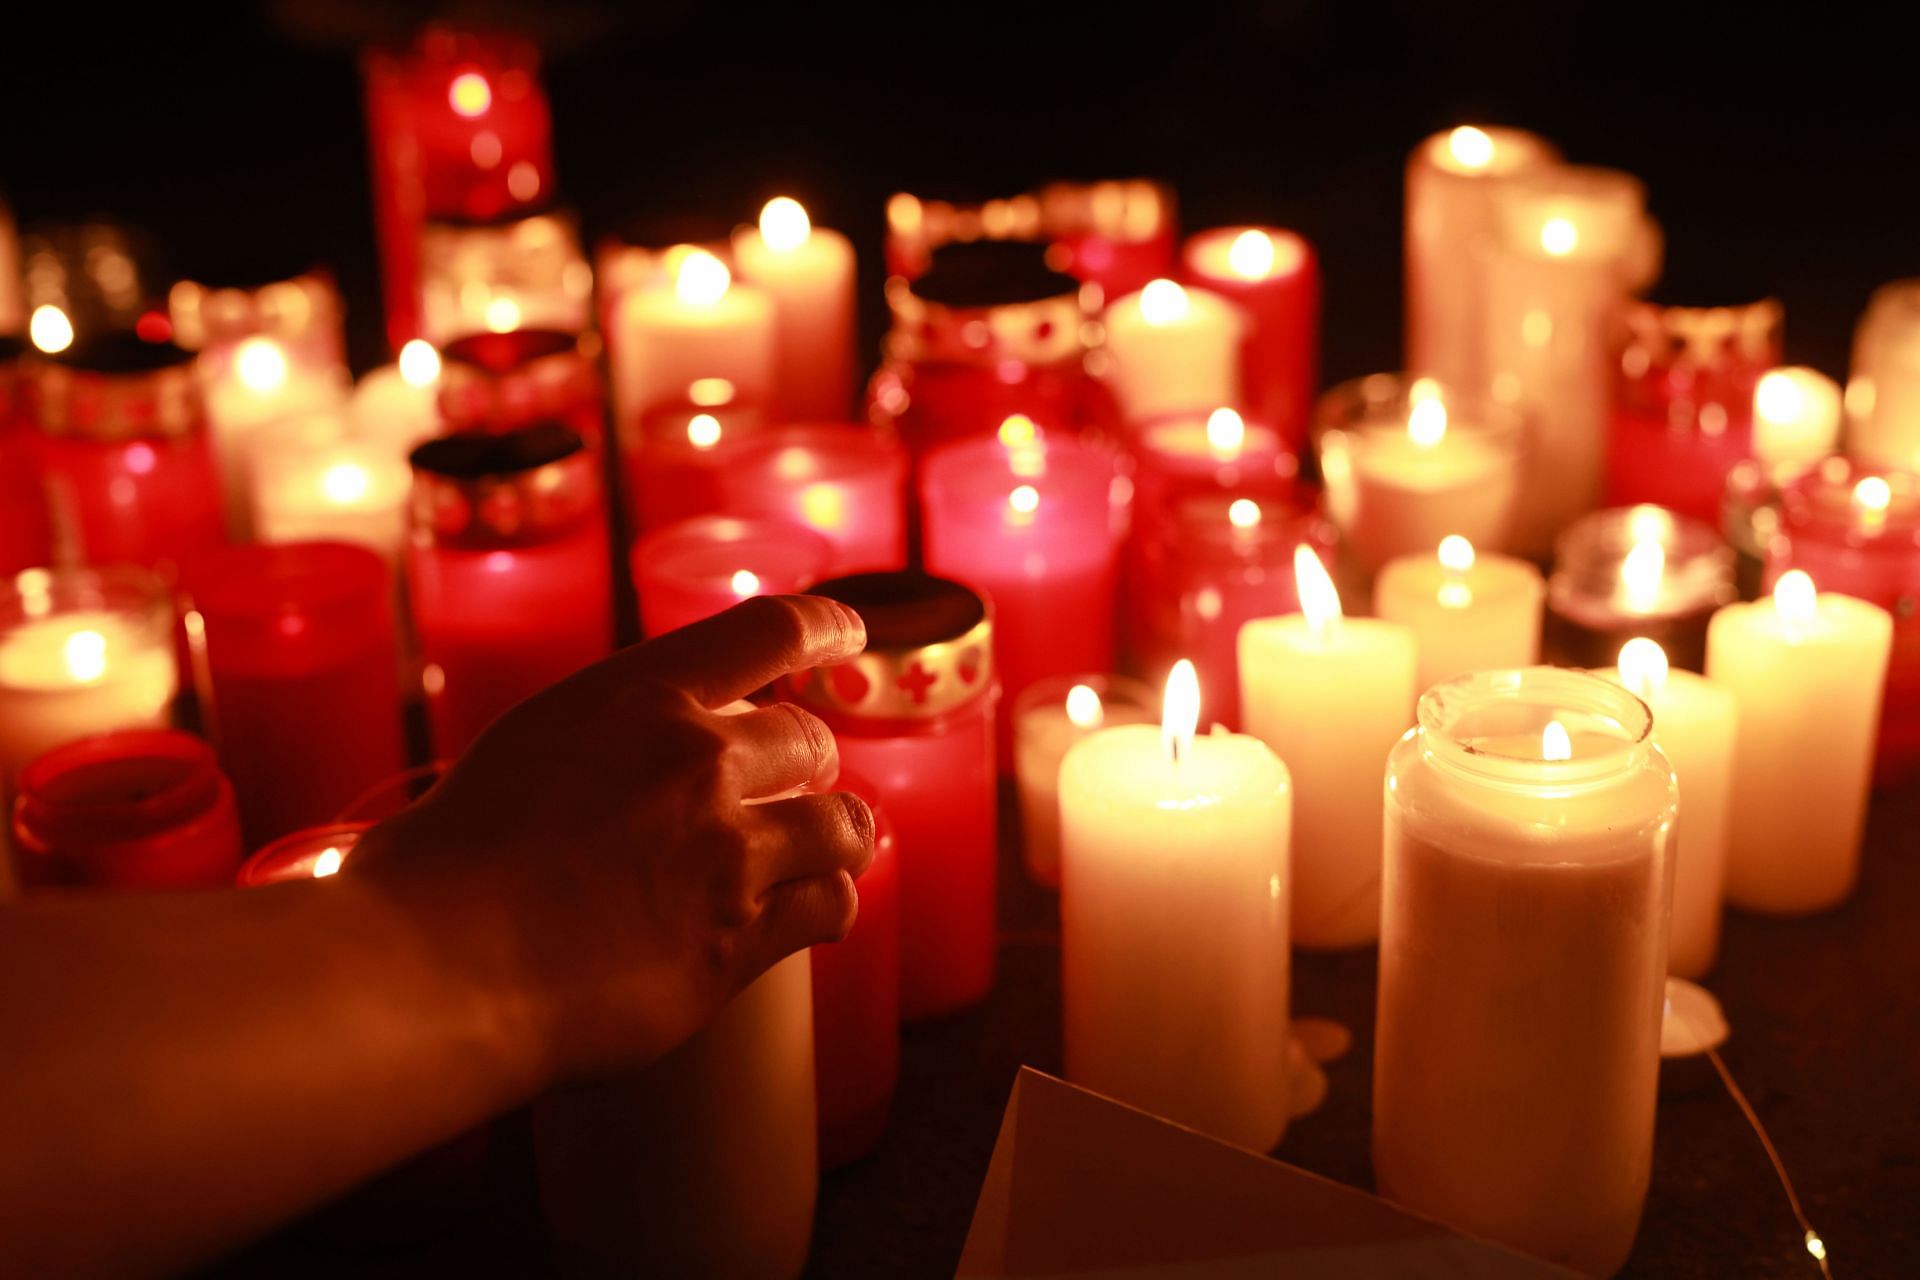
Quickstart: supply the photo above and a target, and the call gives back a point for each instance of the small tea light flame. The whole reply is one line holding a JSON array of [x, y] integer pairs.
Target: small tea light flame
[[50, 329], [1641, 573], [702, 279], [345, 482], [1083, 707], [260, 365], [1163, 302], [1873, 494], [469, 95], [1558, 237], [1180, 710], [703, 431], [1555, 744], [1025, 500], [745, 582], [1226, 431], [327, 862], [1795, 597], [784, 224], [419, 363], [1471, 148], [1319, 599], [1244, 513], [85, 654], [1018, 432], [1427, 423], [1251, 255], [1643, 667]]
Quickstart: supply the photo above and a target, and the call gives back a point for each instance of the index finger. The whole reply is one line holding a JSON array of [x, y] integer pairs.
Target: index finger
[[753, 644]]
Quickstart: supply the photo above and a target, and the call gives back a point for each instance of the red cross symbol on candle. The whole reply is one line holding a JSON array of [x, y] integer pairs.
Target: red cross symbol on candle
[[916, 682]]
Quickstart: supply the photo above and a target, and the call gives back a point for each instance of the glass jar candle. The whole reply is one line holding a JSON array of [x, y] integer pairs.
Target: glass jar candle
[[302, 696], [1408, 461], [1117, 234], [311, 854], [317, 479], [1523, 963], [140, 809], [846, 483], [82, 652], [86, 279], [1683, 402], [124, 447], [1855, 529], [1883, 387], [914, 716], [302, 312], [678, 455], [1273, 276], [508, 572], [251, 389], [1050, 716], [516, 271], [493, 382], [1635, 571], [693, 569], [1029, 520]]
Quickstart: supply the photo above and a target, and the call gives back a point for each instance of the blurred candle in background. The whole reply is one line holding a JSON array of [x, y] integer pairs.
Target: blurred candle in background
[[519, 271], [846, 483], [399, 404], [250, 389], [1274, 277], [808, 272], [677, 456], [1468, 610], [1635, 571], [696, 323], [319, 481], [1796, 417], [1048, 718], [302, 314], [1114, 234], [26, 525], [693, 569], [1172, 349], [505, 381], [1883, 386]]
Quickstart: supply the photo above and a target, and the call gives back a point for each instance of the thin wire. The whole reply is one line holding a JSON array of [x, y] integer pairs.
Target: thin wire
[[1815, 1244]]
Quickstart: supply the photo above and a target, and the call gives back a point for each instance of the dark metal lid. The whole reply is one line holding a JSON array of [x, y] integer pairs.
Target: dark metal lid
[[504, 489]]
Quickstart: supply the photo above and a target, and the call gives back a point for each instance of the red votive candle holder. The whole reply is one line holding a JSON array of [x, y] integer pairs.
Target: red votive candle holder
[[124, 448], [856, 1003], [847, 483], [494, 382], [139, 810], [693, 569], [1114, 234], [26, 527], [303, 699], [1030, 520], [1683, 402], [508, 570], [680, 454], [913, 715], [1274, 276], [1855, 528]]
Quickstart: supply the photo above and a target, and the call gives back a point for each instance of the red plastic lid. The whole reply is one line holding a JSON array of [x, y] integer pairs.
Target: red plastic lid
[[117, 788]]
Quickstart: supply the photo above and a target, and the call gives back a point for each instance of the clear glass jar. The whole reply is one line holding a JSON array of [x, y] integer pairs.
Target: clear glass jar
[[1523, 959], [1635, 571]]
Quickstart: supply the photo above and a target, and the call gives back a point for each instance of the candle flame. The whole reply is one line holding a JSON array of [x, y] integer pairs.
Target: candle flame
[[1642, 571], [1427, 423], [1226, 431], [1018, 432], [703, 431], [1777, 397], [784, 224], [1180, 710], [1456, 553], [419, 363], [702, 279], [1319, 599], [345, 482], [50, 329], [1558, 237], [1083, 707], [1024, 500], [1873, 494], [1643, 667], [85, 653], [1251, 255], [823, 506], [469, 95], [745, 582], [1163, 302], [1555, 743], [710, 392], [1795, 596], [260, 365], [502, 315], [1471, 147], [327, 862], [1244, 513]]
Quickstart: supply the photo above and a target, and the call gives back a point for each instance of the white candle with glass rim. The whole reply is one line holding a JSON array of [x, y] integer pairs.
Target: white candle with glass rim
[[259, 384], [808, 271], [1048, 718], [1806, 669], [1330, 695], [1523, 963], [324, 483], [1694, 725], [1173, 921], [697, 324], [399, 404], [1796, 417], [1173, 349], [1468, 611]]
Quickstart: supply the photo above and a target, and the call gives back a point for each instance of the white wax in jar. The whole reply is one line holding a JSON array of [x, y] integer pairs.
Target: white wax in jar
[[74, 674]]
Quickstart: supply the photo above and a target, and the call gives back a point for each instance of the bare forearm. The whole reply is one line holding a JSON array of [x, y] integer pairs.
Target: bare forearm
[[192, 1070]]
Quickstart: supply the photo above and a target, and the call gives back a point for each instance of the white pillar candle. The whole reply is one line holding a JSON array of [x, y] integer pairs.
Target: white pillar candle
[[340, 489], [1330, 695], [808, 271], [255, 385], [1883, 387], [1048, 718], [1173, 349], [1455, 182], [1796, 417], [1173, 922], [1694, 724], [399, 404], [1468, 611], [699, 324], [1806, 669], [705, 1163], [1523, 964]]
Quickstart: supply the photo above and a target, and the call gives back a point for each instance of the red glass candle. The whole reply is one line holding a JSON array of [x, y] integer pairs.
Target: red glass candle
[[680, 454], [1683, 402], [847, 483], [26, 527], [508, 572], [494, 382], [1117, 235], [124, 447], [1855, 529], [457, 127], [302, 697], [1030, 520], [914, 716], [693, 569], [1275, 278], [856, 1003], [142, 809]]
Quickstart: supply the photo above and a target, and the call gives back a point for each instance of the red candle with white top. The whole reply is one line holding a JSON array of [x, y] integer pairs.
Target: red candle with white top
[[847, 483], [1274, 276], [693, 569]]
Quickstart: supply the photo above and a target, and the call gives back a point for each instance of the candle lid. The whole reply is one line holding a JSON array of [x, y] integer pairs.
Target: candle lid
[[987, 301], [118, 386], [500, 381], [929, 649], [1588, 585], [116, 788], [506, 489]]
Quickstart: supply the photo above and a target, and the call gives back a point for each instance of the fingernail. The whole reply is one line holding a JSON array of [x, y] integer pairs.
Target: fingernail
[[854, 638]]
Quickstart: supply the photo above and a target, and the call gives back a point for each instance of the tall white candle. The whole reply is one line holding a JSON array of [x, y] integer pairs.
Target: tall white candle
[[1694, 725], [1807, 670], [1173, 921], [342, 489], [1330, 695], [1048, 718], [1523, 964], [1468, 611], [260, 383], [1883, 387], [667, 335], [1173, 349], [808, 271]]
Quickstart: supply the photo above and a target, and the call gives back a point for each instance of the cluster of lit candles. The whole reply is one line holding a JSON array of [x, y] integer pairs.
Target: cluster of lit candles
[[1088, 446]]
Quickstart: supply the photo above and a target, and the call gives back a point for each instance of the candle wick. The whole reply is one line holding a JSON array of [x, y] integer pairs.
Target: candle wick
[[1815, 1244]]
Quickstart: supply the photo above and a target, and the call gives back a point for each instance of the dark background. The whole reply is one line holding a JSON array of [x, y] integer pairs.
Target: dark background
[[1777, 143]]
